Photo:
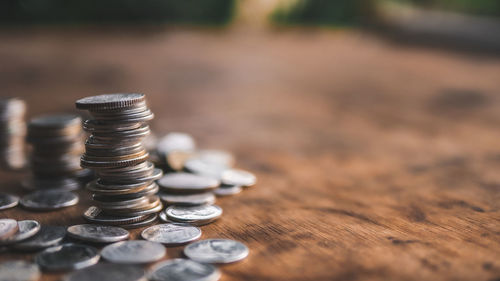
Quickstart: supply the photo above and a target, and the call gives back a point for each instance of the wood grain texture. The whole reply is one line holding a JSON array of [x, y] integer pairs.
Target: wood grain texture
[[375, 161]]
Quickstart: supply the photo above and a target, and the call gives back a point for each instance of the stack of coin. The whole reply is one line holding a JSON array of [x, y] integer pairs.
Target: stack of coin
[[124, 192], [12, 133], [57, 142]]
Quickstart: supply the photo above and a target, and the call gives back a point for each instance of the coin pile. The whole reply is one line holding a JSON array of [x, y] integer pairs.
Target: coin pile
[[12, 133], [57, 142], [124, 192]]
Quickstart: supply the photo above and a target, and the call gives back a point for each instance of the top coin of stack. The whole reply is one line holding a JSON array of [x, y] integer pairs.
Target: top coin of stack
[[12, 133], [57, 142], [124, 191]]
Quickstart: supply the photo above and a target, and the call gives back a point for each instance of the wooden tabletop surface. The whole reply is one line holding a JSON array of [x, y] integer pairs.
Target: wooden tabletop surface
[[375, 161]]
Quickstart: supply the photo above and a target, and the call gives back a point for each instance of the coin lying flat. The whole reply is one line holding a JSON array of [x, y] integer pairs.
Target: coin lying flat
[[48, 236], [19, 271], [67, 257], [197, 215], [188, 199], [183, 270], [110, 101], [171, 234], [238, 177], [216, 251], [201, 167], [133, 252], [27, 229], [8, 201], [108, 272], [175, 142], [187, 183], [98, 233], [216, 157], [226, 190], [8, 227], [45, 200]]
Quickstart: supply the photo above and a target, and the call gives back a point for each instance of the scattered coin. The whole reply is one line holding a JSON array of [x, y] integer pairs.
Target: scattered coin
[[226, 190], [171, 234], [8, 227], [238, 177], [133, 252], [187, 183], [216, 251], [188, 199], [197, 215], [8, 201], [108, 272], [27, 229], [67, 257], [201, 167], [216, 157], [45, 200], [19, 271], [48, 236], [98, 233], [163, 218], [175, 141], [183, 270]]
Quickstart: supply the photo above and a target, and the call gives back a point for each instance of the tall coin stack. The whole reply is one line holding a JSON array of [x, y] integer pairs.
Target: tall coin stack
[[12, 133], [124, 192], [57, 143]]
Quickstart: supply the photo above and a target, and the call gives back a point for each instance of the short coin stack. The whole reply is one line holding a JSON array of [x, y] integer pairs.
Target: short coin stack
[[12, 133], [57, 142], [124, 192]]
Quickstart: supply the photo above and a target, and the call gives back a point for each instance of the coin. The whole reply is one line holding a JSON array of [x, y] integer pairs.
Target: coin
[[238, 177], [216, 157], [226, 190], [163, 218], [48, 236], [27, 229], [19, 271], [150, 219], [8, 227], [110, 101], [96, 215], [216, 251], [197, 215], [187, 183], [12, 133], [45, 200], [175, 141], [108, 272], [171, 234], [67, 257], [8, 201], [183, 270], [97, 233], [188, 199], [133, 252], [204, 168]]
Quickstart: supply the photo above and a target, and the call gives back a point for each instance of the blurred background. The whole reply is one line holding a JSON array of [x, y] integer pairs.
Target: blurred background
[[241, 66]]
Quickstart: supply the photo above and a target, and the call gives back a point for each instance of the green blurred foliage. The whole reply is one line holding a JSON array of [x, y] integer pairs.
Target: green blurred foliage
[[116, 11], [477, 7]]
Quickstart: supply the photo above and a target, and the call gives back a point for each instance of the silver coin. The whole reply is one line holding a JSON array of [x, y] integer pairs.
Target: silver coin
[[216, 157], [183, 270], [238, 177], [216, 251], [150, 219], [98, 233], [27, 229], [110, 101], [201, 167], [108, 272], [188, 199], [226, 190], [45, 200], [175, 142], [171, 234], [48, 236], [67, 257], [19, 271], [133, 252], [187, 183], [95, 215], [8, 201], [197, 215], [163, 217], [8, 227]]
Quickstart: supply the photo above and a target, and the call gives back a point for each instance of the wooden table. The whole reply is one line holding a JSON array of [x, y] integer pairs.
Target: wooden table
[[375, 161]]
